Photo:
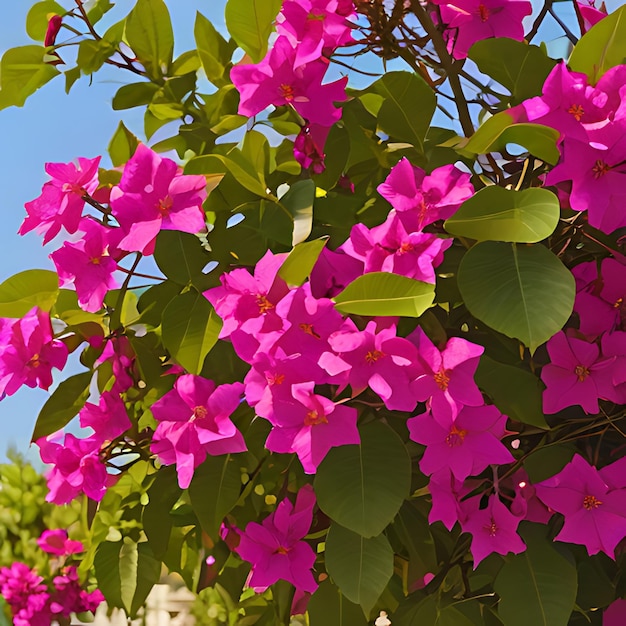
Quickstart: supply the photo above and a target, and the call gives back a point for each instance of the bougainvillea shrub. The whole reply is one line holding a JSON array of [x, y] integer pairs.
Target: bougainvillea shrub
[[350, 312]]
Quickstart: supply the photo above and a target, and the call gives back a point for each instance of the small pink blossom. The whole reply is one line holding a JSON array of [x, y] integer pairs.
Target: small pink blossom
[[108, 419], [308, 148], [276, 548], [194, 421], [152, 195], [54, 26], [58, 543], [61, 203]]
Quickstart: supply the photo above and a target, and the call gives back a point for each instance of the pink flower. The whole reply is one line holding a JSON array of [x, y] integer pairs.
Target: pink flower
[[194, 420], [447, 377], [58, 543], [76, 467], [446, 493], [390, 248], [377, 359], [595, 514], [120, 355], [466, 445], [87, 264], [421, 198], [275, 547], [576, 375], [313, 27], [308, 148], [310, 426], [154, 195], [54, 26], [61, 203], [469, 21], [28, 352], [108, 418], [615, 613], [277, 81], [493, 529], [69, 597], [589, 14], [333, 272], [26, 594]]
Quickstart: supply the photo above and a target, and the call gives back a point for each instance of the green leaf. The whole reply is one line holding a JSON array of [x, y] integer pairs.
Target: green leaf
[[399, 116], [28, 289], [38, 16], [63, 405], [375, 480], [134, 95], [126, 572], [498, 214], [516, 65], [537, 586], [98, 10], [190, 329], [524, 292], [516, 392], [214, 51], [602, 47], [328, 607], [430, 612], [501, 129], [93, 54], [149, 33], [360, 567], [154, 300], [214, 491], [301, 260], [180, 256], [22, 72], [122, 146], [251, 22], [187, 62], [381, 293], [218, 164], [156, 519], [299, 202]]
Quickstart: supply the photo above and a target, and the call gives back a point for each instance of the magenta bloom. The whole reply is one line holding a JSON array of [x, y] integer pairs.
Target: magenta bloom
[[28, 352], [69, 597], [154, 195], [601, 304], [277, 81], [58, 543], [377, 359], [308, 148], [26, 594], [76, 467], [597, 172], [87, 264], [313, 26], [590, 14], [576, 375], [421, 198], [310, 426], [276, 548], [447, 377], [390, 248], [108, 418], [567, 103], [469, 21], [333, 272], [120, 355], [466, 445], [61, 203], [615, 613], [54, 26], [493, 529], [194, 420], [595, 514], [446, 493]]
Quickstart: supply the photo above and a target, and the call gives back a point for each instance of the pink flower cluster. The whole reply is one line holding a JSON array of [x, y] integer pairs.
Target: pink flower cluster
[[35, 603], [291, 74], [591, 173], [152, 195]]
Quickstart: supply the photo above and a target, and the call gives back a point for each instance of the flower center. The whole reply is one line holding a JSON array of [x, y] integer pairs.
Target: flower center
[[35, 361], [618, 303], [581, 372], [406, 247], [282, 550], [94, 260], [286, 92], [492, 528], [373, 355], [165, 204], [199, 412], [308, 329], [275, 379], [74, 188], [456, 437], [263, 303], [316, 17], [442, 379], [313, 418], [591, 502], [577, 111], [600, 169], [483, 12]]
